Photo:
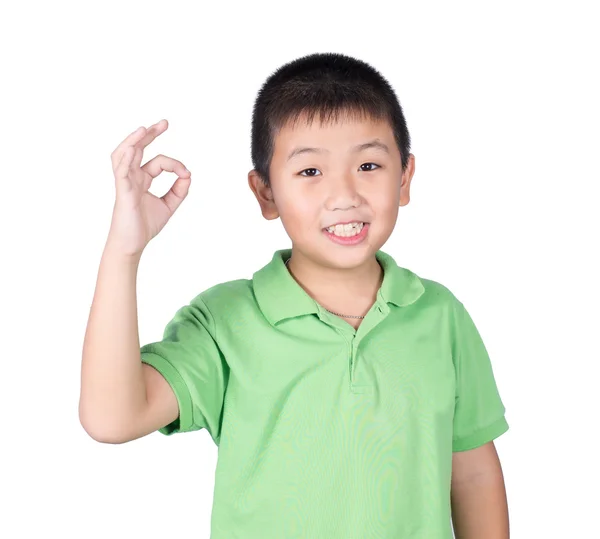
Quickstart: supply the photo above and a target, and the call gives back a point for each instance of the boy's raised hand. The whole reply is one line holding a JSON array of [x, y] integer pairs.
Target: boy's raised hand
[[138, 215]]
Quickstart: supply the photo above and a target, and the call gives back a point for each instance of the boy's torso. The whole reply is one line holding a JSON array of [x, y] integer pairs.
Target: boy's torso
[[328, 431]]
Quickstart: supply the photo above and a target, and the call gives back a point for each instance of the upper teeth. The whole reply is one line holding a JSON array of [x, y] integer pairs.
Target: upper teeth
[[350, 229]]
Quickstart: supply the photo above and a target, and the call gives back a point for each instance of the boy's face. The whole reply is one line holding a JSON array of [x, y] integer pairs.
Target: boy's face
[[337, 183]]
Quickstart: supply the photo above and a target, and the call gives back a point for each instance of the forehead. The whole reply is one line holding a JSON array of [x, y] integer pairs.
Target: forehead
[[336, 134]]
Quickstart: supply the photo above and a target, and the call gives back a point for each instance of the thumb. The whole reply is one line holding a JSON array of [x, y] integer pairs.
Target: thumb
[[177, 193]]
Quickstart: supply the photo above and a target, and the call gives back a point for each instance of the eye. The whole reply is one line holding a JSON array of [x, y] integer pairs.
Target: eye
[[369, 170], [306, 169]]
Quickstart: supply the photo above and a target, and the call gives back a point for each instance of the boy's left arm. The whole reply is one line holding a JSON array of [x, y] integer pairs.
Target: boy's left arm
[[479, 505]]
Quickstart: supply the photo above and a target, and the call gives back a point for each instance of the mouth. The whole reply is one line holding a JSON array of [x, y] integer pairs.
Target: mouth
[[348, 233], [346, 230]]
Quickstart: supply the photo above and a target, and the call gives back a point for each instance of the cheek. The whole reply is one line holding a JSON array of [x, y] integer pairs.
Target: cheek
[[385, 205], [297, 196], [384, 199], [298, 208]]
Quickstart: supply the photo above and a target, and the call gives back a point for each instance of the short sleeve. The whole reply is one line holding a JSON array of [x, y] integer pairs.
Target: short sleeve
[[479, 415], [190, 360]]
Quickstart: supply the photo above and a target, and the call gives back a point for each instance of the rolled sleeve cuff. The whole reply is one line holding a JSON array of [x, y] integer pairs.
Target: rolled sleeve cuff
[[185, 420], [481, 436]]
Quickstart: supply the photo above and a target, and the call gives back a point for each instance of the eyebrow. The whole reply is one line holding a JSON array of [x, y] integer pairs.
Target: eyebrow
[[376, 143]]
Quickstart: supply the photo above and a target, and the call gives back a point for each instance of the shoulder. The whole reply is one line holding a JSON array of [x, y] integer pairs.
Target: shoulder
[[445, 300], [222, 295], [440, 300], [435, 293]]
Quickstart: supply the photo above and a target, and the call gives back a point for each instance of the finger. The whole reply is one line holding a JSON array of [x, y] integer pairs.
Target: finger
[[175, 196], [130, 140], [151, 133], [122, 179], [162, 163]]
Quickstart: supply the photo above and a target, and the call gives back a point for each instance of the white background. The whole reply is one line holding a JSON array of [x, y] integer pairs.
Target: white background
[[502, 104]]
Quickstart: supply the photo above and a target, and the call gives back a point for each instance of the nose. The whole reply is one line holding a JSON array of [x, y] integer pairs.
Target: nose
[[342, 193]]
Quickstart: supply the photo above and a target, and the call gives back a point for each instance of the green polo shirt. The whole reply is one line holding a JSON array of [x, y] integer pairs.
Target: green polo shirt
[[324, 431]]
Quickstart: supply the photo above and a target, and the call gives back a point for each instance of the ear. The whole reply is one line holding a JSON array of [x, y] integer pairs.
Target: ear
[[406, 179], [263, 194]]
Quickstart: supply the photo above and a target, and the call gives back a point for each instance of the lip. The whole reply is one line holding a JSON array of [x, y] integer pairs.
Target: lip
[[346, 223], [353, 240]]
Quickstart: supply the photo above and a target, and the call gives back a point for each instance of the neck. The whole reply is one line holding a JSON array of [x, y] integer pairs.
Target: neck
[[347, 290]]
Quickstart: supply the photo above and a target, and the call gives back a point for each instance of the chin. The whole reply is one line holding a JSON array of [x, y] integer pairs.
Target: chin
[[343, 257]]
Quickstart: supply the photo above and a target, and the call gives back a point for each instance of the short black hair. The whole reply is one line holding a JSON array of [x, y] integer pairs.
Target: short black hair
[[328, 84]]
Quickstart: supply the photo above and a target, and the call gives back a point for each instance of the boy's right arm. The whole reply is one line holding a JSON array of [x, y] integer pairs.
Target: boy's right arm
[[121, 398]]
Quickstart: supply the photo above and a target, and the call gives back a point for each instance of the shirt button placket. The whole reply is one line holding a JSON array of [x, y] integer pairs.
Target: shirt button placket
[[356, 385], [362, 385]]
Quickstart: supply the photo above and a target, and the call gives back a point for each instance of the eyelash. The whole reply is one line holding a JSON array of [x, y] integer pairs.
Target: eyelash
[[312, 168]]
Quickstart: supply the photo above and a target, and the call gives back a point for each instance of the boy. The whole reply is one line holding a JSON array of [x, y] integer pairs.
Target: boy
[[349, 398]]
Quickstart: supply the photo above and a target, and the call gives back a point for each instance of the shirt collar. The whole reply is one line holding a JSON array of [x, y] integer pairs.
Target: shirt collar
[[279, 296]]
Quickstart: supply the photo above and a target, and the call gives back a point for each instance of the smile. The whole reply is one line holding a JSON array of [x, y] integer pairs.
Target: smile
[[348, 234], [347, 230]]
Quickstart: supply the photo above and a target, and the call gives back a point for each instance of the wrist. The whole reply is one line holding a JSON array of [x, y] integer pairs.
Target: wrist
[[114, 252]]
